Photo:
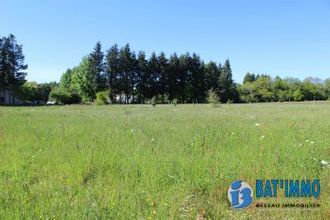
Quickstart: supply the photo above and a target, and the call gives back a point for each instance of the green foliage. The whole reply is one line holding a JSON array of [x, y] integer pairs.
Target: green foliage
[[66, 79], [34, 93], [28, 92], [83, 81], [186, 78], [226, 85], [213, 98], [12, 67], [327, 88], [212, 73], [64, 96], [103, 97], [59, 94], [298, 96], [141, 83], [112, 71], [313, 91], [96, 68], [249, 78], [127, 63], [266, 89], [281, 89]]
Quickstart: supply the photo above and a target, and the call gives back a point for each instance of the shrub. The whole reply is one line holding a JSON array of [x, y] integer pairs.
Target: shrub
[[102, 98], [298, 95], [213, 98], [63, 95], [74, 98]]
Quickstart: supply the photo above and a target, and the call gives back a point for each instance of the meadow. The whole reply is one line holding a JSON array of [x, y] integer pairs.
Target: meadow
[[162, 162]]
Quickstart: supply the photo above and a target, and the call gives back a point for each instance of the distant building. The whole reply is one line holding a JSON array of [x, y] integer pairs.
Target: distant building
[[7, 98], [121, 98]]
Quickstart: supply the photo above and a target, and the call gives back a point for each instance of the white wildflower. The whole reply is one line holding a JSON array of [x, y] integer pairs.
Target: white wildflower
[[132, 130], [262, 137], [152, 140], [312, 142], [324, 163], [257, 124]]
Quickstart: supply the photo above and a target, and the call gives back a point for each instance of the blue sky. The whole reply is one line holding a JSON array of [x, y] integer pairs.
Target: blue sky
[[278, 37]]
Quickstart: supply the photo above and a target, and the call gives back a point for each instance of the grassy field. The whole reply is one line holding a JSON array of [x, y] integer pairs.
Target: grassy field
[[163, 162]]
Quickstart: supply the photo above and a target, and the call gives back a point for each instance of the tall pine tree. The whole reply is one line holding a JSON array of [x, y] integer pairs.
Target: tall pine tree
[[212, 73], [227, 88], [97, 67], [173, 72], [12, 67], [112, 69], [163, 76], [127, 64], [142, 77], [197, 79], [154, 76]]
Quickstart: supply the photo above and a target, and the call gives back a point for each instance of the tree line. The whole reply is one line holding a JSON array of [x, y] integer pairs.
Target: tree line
[[264, 88], [133, 78], [120, 75], [186, 78]]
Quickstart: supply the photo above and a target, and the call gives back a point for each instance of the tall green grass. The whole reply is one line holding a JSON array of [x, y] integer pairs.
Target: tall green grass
[[163, 162]]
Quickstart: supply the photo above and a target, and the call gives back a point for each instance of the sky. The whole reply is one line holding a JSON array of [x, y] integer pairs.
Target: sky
[[277, 37]]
